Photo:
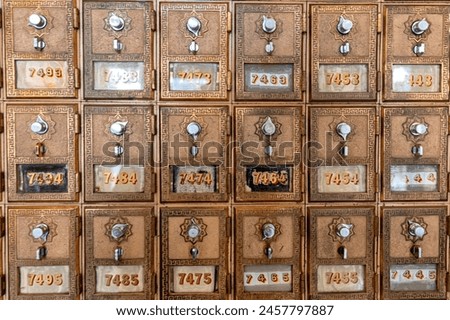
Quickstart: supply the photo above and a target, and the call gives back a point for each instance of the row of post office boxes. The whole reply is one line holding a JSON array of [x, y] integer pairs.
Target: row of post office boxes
[[194, 62], [336, 253], [345, 155]]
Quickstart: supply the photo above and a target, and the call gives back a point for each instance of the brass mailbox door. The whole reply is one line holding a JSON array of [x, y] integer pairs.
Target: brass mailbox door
[[344, 52], [268, 157], [42, 152], [416, 56], [119, 253], [269, 51], [268, 253], [194, 50], [415, 153], [43, 253], [118, 153], [194, 153], [342, 153], [118, 49], [2, 237], [194, 253], [341, 247], [414, 248], [41, 48]]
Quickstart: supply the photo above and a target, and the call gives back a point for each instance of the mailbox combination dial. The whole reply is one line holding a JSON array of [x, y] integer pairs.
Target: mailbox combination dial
[[117, 23], [420, 26], [343, 130], [37, 21], [118, 128], [194, 129], [344, 25], [269, 24], [119, 230], [268, 231], [343, 230], [40, 232], [418, 129], [39, 126], [194, 25], [416, 230]]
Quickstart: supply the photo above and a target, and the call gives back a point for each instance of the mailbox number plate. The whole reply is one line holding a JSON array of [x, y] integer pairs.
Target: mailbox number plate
[[118, 279], [340, 278], [119, 178], [119, 75], [413, 277], [190, 179], [39, 178], [196, 279], [44, 279], [418, 178], [267, 278], [267, 77], [269, 179], [337, 179], [343, 78], [416, 78], [41, 74], [194, 76]]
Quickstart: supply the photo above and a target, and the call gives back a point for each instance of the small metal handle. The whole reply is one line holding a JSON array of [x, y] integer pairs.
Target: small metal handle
[[118, 254], [118, 150], [117, 45], [194, 252], [268, 251], [343, 252], [38, 43], [41, 252], [416, 251]]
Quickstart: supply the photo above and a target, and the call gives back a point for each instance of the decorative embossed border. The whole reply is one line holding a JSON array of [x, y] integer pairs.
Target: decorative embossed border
[[71, 161], [166, 263], [90, 279], [295, 261], [71, 213], [369, 162], [297, 11], [166, 139], [368, 261], [440, 260], [221, 59], [90, 161], [388, 161], [90, 57], [443, 60], [296, 126], [12, 56], [369, 40]]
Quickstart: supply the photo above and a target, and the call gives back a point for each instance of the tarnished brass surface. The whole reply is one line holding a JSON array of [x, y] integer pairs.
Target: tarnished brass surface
[[332, 274], [57, 164], [336, 75], [56, 275], [263, 74], [335, 175], [51, 71], [428, 171], [131, 276], [117, 177], [210, 40], [226, 149], [179, 263], [399, 41], [124, 73], [252, 258], [406, 276]]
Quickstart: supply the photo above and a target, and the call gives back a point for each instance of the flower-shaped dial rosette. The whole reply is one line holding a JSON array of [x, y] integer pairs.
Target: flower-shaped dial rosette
[[267, 229], [341, 230], [118, 229], [414, 229], [42, 231], [193, 230], [117, 24]]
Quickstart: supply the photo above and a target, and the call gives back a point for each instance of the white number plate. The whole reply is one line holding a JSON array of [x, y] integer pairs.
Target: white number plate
[[340, 278], [418, 178], [119, 279], [196, 279], [41, 74], [119, 178], [118, 75], [337, 179], [267, 278], [413, 277], [416, 78], [44, 279]]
